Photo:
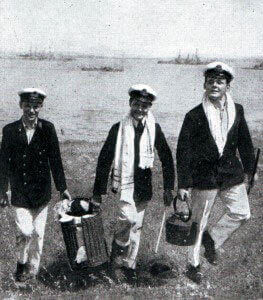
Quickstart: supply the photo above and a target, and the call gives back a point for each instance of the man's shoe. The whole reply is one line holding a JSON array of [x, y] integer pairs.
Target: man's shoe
[[23, 273], [116, 261], [23, 277], [131, 276], [194, 274], [117, 254], [20, 269], [210, 251], [116, 274], [105, 276]]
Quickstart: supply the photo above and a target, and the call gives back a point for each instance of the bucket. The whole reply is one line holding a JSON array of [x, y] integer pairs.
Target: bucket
[[180, 230]]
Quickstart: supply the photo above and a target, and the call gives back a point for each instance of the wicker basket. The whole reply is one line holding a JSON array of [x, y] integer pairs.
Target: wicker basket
[[90, 228]]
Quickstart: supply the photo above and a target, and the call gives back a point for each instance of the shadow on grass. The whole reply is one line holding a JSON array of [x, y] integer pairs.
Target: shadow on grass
[[155, 270], [59, 276]]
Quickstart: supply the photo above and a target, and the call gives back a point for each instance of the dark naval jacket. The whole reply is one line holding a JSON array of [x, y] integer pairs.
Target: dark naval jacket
[[27, 166], [142, 177], [199, 164]]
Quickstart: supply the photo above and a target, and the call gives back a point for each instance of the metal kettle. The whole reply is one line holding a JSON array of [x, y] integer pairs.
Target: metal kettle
[[180, 230]]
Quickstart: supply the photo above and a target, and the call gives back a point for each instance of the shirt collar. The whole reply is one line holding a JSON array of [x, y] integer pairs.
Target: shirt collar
[[135, 122], [29, 127], [222, 105]]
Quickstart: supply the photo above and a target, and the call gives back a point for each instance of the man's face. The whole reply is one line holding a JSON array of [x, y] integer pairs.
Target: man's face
[[30, 111], [139, 108], [216, 87]]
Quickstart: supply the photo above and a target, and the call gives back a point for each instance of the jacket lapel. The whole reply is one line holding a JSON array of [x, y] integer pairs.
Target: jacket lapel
[[211, 139], [207, 130], [22, 132], [37, 133], [231, 130]]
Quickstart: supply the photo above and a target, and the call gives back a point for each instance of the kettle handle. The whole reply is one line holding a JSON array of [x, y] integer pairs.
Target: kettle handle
[[181, 215]]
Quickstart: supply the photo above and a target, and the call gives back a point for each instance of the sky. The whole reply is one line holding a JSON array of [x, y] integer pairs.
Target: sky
[[151, 28]]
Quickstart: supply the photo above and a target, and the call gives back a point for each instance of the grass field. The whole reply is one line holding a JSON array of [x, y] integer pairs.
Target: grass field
[[239, 274], [83, 106]]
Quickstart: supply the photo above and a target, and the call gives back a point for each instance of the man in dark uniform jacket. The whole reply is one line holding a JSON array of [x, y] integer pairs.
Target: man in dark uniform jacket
[[207, 164], [130, 144], [29, 150]]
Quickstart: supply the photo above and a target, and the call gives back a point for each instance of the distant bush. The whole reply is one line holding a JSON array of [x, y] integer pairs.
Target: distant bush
[[258, 66], [67, 58], [102, 69], [189, 60], [43, 55]]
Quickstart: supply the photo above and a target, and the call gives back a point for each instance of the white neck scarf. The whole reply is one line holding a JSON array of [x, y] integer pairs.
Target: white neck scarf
[[215, 122], [123, 172]]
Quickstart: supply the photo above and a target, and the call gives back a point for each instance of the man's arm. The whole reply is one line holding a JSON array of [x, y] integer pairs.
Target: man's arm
[[246, 150], [105, 160], [4, 168], [55, 161], [183, 159], [184, 155], [245, 146], [166, 158]]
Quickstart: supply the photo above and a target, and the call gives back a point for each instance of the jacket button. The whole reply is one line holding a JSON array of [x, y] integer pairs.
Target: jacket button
[[40, 162], [24, 174], [25, 183], [24, 165], [24, 156]]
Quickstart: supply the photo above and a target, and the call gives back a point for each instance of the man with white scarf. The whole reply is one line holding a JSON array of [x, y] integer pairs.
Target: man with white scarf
[[130, 149], [207, 165]]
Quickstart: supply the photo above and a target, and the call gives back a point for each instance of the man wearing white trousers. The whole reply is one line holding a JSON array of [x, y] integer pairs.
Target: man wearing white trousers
[[207, 165], [129, 147], [29, 150]]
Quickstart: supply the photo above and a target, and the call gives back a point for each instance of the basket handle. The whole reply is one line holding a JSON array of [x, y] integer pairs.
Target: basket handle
[[182, 216]]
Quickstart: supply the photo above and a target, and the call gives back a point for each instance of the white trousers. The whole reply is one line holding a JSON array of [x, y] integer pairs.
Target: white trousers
[[237, 210], [30, 225], [128, 229]]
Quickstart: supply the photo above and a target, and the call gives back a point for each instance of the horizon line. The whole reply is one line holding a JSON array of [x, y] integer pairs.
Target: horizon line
[[127, 56]]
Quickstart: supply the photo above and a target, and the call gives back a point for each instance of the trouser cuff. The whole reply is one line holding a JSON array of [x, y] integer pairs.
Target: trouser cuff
[[129, 263]]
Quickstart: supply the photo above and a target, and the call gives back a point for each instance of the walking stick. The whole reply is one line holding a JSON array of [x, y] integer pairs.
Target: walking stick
[[251, 182], [160, 232]]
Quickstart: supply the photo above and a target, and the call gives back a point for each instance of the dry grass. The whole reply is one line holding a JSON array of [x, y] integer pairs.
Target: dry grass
[[238, 275]]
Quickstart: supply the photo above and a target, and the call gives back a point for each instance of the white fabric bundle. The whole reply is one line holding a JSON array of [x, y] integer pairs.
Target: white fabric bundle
[[215, 122], [61, 208], [123, 172]]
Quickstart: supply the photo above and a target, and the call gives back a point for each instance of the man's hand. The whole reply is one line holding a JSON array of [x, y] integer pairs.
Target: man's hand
[[167, 197], [65, 205], [4, 200], [184, 194], [65, 195]]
